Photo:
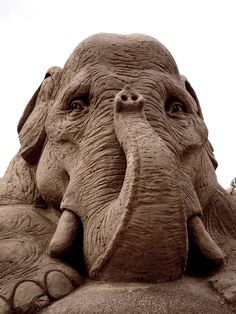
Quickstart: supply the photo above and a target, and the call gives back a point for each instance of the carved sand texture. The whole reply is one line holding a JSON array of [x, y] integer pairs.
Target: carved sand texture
[[114, 179]]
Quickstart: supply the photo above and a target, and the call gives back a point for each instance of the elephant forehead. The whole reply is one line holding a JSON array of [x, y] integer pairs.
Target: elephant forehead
[[116, 51]]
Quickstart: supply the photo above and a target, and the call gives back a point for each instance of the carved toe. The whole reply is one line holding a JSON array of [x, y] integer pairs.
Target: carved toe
[[29, 297], [58, 285], [4, 307]]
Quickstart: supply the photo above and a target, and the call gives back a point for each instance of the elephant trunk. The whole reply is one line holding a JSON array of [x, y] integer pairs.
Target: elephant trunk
[[150, 240]]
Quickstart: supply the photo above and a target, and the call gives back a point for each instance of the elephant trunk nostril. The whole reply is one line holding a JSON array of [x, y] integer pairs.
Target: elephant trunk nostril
[[129, 100], [134, 97], [124, 98]]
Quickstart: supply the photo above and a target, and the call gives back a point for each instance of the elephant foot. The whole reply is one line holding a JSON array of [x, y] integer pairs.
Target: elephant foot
[[31, 296], [202, 239], [30, 279], [65, 234]]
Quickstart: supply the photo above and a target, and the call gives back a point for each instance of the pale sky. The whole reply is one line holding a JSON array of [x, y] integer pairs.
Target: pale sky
[[201, 35]]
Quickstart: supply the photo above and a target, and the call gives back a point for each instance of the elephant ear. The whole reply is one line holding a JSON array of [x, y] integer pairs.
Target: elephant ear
[[209, 148], [31, 127]]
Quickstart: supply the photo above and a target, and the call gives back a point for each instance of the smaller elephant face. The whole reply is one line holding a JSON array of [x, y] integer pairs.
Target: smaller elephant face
[[116, 131]]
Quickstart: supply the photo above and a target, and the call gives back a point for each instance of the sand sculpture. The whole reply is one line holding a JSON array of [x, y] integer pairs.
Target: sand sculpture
[[114, 181]]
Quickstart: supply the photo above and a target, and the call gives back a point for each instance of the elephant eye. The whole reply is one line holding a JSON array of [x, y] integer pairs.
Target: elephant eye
[[78, 104], [174, 107], [177, 107]]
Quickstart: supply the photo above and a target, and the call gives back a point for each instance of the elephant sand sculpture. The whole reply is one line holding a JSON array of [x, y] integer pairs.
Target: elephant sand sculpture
[[114, 184]]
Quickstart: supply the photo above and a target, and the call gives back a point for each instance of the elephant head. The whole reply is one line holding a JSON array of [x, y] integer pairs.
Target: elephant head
[[117, 140]]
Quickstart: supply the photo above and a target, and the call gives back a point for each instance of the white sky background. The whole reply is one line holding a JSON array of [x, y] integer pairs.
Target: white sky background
[[201, 35]]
